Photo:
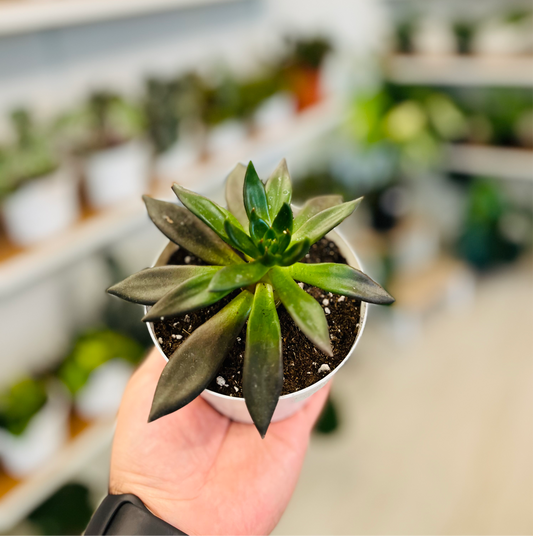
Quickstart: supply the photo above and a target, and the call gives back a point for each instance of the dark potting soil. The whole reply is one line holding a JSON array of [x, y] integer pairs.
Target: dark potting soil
[[303, 363]]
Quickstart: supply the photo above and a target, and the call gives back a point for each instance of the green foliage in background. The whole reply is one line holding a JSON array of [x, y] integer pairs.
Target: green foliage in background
[[253, 247], [30, 156], [20, 402], [94, 349]]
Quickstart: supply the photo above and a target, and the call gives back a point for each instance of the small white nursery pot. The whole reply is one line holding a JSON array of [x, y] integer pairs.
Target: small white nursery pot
[[117, 174], [43, 437], [234, 407], [41, 208], [180, 157], [100, 397]]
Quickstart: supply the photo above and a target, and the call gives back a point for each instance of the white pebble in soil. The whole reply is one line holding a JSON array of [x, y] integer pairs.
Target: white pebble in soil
[[327, 311], [236, 388], [325, 301], [301, 285], [221, 381], [187, 259], [341, 299], [160, 340], [324, 368]]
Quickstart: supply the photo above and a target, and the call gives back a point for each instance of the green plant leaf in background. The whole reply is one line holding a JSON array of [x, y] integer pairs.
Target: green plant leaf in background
[[313, 207], [149, 286], [278, 188], [238, 276], [341, 279], [183, 228], [234, 194], [190, 295], [255, 195], [323, 222], [263, 366], [195, 363], [303, 308]]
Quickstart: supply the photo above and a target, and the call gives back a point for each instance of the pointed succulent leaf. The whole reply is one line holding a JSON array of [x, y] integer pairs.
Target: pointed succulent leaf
[[234, 193], [284, 241], [255, 195], [314, 206], [258, 227], [190, 295], [150, 285], [295, 252], [240, 240], [323, 222], [262, 378], [279, 188], [237, 276], [341, 279], [183, 228], [196, 362], [210, 213], [303, 308], [284, 220]]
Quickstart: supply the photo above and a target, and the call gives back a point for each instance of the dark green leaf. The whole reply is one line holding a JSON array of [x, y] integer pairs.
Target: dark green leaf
[[284, 220], [190, 295], [240, 240], [255, 195], [234, 193], [284, 241], [296, 252], [323, 222], [185, 229], [258, 227], [314, 206], [341, 279], [306, 312], [210, 213], [150, 285], [238, 276], [195, 363], [262, 378], [279, 188]]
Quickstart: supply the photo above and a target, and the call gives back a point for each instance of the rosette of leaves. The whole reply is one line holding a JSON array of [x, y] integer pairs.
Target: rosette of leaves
[[252, 249]]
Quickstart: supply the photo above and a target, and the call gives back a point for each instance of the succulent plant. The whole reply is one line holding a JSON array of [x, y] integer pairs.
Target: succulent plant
[[253, 247]]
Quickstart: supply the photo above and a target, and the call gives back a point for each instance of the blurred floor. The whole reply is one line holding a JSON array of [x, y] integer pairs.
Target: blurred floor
[[436, 435]]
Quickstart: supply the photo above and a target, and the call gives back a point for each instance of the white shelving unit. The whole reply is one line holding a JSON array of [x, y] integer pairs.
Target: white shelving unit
[[460, 71], [33, 15], [495, 162], [109, 226], [69, 461]]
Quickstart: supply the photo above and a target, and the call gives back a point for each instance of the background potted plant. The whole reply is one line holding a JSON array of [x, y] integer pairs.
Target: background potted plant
[[33, 424], [39, 196], [302, 69], [225, 302], [107, 134], [97, 370]]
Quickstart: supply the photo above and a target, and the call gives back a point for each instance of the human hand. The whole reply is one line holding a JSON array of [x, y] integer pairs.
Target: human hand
[[201, 472]]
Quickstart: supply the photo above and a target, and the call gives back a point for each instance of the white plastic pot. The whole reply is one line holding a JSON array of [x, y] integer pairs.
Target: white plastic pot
[[235, 408], [180, 157], [117, 174], [41, 208], [226, 136], [275, 112], [100, 397], [43, 437]]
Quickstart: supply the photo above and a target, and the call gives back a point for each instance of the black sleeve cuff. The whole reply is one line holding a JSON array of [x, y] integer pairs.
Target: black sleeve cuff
[[126, 514]]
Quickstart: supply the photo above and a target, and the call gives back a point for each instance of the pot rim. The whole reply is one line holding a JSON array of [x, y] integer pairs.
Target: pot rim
[[353, 261]]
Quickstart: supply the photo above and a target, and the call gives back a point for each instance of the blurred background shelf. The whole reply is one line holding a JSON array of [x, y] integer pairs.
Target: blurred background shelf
[[460, 71], [500, 162], [18, 498], [96, 230], [35, 15]]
